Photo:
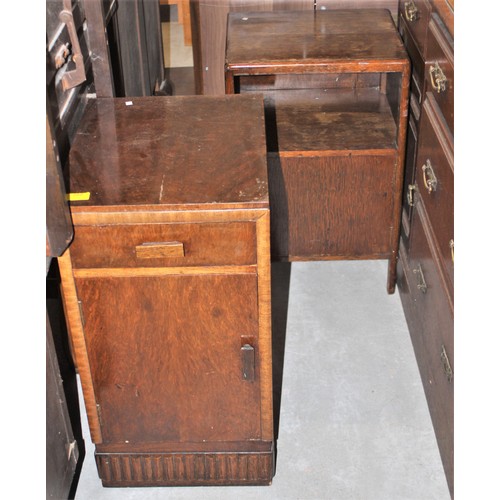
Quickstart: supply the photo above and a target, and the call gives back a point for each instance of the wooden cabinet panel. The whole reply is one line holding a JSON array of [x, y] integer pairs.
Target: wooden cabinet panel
[[440, 70], [435, 183], [409, 179], [433, 336], [163, 375], [334, 205], [417, 61], [416, 15], [156, 245], [425, 268], [392, 5]]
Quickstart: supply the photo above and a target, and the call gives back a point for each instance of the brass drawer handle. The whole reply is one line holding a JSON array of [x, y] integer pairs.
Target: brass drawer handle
[[421, 284], [446, 364], [409, 194], [438, 78], [155, 250], [452, 250], [411, 11], [73, 77], [430, 180]]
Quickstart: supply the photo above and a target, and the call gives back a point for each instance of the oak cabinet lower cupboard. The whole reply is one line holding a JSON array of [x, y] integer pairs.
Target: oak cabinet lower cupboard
[[169, 303]]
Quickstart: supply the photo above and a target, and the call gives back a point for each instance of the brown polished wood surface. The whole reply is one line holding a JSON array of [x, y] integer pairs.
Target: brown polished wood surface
[[207, 243], [436, 152], [167, 151], [426, 256], [440, 53], [167, 289], [434, 332], [319, 40], [416, 14], [331, 216], [166, 373], [335, 85], [330, 120], [209, 18]]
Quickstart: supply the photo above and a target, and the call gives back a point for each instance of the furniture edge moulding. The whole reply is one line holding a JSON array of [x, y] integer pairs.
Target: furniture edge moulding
[[82, 216], [77, 343]]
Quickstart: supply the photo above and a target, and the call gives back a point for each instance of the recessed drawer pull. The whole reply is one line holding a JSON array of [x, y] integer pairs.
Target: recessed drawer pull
[[421, 284], [411, 11], [155, 250], [452, 249], [438, 78], [446, 364], [430, 180]]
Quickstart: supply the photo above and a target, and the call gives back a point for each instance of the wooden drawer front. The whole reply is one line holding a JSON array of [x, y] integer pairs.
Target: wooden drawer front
[[439, 71], [416, 14], [172, 244], [433, 336], [435, 162], [417, 61]]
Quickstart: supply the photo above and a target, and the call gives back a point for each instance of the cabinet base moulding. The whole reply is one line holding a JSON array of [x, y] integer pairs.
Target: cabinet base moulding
[[182, 469]]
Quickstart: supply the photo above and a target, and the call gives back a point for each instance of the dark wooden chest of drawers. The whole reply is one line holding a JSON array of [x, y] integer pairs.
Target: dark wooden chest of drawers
[[425, 267], [167, 289]]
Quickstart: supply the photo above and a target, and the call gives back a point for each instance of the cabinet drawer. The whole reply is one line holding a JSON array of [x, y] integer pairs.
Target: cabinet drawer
[[416, 14], [172, 244], [433, 334], [417, 62], [439, 71], [435, 182]]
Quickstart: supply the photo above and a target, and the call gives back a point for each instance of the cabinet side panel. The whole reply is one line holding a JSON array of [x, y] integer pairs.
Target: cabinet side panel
[[345, 212], [77, 338], [265, 335]]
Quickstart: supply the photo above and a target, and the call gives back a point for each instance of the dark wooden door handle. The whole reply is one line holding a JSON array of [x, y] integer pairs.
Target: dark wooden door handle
[[248, 358]]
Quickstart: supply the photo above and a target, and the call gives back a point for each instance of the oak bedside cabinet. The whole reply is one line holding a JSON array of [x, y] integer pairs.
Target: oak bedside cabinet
[[167, 289], [336, 86]]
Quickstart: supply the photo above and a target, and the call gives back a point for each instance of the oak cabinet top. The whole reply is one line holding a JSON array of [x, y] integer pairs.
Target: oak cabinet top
[[170, 153], [312, 38]]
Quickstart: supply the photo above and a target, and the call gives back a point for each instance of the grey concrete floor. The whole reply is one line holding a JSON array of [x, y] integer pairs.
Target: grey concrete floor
[[353, 420]]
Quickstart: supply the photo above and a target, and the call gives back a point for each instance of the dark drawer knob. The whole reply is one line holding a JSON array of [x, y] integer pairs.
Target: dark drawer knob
[[430, 180], [437, 77]]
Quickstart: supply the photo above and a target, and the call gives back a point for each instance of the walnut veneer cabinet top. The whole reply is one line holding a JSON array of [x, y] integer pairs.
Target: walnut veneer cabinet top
[[167, 289], [169, 153]]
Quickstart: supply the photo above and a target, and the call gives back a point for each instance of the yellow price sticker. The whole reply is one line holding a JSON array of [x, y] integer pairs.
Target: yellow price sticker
[[78, 196]]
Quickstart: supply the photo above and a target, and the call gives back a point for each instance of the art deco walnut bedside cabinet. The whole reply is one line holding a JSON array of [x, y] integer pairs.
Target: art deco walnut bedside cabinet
[[336, 87], [167, 289]]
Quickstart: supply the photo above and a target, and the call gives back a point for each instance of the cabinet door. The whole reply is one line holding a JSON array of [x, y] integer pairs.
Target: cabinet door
[[169, 356]]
